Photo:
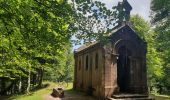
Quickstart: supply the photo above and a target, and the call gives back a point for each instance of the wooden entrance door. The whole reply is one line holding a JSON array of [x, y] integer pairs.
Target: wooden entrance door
[[123, 69]]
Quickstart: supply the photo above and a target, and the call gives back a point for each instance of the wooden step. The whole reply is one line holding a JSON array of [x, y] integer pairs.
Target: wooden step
[[131, 99], [129, 96]]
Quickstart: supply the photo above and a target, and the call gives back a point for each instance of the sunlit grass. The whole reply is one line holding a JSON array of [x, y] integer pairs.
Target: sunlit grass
[[160, 97], [38, 94]]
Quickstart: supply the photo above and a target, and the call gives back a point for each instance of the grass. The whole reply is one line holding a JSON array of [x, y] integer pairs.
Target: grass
[[38, 94], [160, 97]]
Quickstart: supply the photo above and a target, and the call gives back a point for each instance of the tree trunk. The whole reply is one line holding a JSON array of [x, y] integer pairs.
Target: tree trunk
[[3, 85], [40, 78], [20, 85], [28, 82]]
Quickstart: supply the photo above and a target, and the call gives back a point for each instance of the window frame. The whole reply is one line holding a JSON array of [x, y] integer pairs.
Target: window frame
[[79, 63], [87, 62], [96, 61]]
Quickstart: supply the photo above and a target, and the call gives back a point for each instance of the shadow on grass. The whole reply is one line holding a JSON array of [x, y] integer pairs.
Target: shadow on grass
[[14, 96], [40, 87], [4, 97], [72, 91]]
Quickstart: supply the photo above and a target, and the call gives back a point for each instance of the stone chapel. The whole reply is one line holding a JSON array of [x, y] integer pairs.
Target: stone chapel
[[111, 69]]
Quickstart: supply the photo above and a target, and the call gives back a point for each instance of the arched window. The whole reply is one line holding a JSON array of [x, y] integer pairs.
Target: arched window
[[91, 63], [96, 61], [87, 62]]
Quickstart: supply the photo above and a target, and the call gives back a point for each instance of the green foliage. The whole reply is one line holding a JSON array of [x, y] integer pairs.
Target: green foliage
[[63, 70], [160, 11], [33, 29], [140, 26], [32, 36], [92, 20], [161, 21]]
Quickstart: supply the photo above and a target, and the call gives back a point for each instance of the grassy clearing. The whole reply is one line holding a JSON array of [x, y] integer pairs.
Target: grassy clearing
[[38, 94]]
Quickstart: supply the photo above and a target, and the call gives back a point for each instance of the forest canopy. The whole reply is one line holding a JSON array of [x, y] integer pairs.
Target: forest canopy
[[34, 38]]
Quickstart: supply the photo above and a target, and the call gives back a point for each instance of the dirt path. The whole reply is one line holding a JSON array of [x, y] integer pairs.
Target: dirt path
[[70, 96]]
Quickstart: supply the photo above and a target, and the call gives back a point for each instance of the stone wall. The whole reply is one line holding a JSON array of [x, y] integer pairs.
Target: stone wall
[[90, 73]]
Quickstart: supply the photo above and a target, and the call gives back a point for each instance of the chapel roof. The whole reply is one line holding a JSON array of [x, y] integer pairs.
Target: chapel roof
[[88, 45]]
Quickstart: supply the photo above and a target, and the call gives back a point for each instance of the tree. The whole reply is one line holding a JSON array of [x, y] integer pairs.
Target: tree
[[63, 69], [161, 21], [32, 33], [92, 20]]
